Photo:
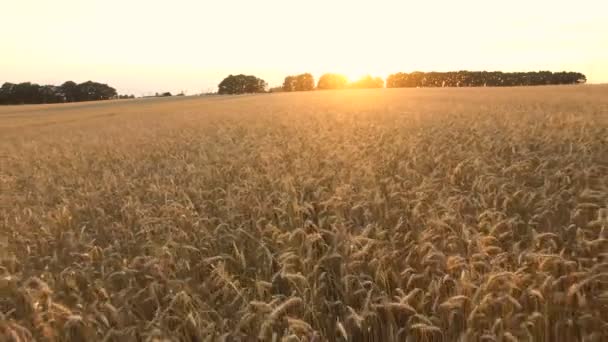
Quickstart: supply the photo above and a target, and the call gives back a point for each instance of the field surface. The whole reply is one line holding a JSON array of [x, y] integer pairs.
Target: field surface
[[364, 215]]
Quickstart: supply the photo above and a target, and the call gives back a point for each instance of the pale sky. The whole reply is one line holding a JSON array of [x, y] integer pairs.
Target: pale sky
[[145, 46]]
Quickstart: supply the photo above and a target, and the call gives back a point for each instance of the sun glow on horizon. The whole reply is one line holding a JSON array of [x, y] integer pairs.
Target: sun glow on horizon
[[146, 46]]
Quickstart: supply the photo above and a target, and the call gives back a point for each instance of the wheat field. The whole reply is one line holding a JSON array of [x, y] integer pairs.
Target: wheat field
[[362, 215]]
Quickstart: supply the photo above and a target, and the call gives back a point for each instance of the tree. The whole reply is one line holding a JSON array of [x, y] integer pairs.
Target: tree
[[92, 91], [6, 93], [51, 94], [302, 82], [241, 84], [482, 79], [289, 84], [305, 82], [332, 81], [26, 93], [32, 93], [368, 82], [70, 91]]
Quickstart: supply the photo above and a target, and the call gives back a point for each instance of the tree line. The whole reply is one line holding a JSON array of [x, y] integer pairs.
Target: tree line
[[305, 82], [482, 79], [32, 93], [241, 84]]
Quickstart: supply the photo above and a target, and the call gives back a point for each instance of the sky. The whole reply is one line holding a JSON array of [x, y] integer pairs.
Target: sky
[[147, 46]]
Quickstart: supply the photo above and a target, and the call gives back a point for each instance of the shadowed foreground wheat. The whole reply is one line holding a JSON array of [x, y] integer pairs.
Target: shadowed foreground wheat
[[381, 215]]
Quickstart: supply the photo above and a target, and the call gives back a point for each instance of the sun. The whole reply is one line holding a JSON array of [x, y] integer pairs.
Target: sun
[[354, 75]]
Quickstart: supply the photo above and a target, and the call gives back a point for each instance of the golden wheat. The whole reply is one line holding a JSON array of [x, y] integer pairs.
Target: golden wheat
[[363, 215]]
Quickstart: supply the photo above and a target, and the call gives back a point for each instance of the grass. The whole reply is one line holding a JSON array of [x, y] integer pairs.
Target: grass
[[362, 215]]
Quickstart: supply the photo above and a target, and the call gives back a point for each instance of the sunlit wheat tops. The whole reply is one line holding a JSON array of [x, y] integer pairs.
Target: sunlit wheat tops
[[380, 215]]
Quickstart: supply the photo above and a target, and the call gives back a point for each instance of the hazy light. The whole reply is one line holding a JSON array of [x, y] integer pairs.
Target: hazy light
[[148, 46]]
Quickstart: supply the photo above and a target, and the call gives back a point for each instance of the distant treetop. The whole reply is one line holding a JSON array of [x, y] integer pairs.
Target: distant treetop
[[433, 79], [32, 93], [482, 78], [242, 84], [302, 82]]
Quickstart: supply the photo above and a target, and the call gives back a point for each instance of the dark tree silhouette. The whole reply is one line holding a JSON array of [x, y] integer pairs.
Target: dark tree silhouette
[[91, 91], [332, 81], [32, 93], [51, 94], [6, 92], [242, 84], [27, 93], [163, 94], [70, 91], [481, 79]]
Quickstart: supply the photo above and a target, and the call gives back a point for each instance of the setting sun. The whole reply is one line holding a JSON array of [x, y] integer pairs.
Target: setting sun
[[146, 46]]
